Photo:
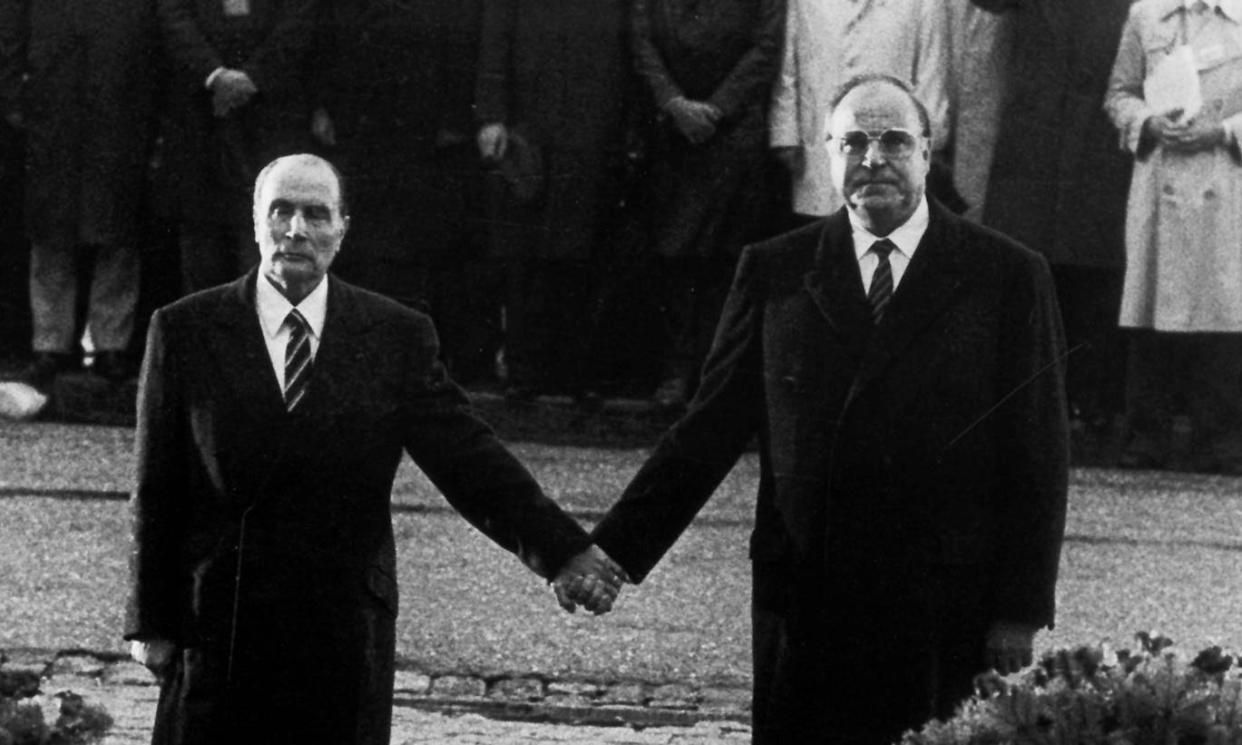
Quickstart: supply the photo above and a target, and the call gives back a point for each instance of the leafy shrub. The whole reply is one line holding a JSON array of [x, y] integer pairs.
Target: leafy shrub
[[1095, 695]]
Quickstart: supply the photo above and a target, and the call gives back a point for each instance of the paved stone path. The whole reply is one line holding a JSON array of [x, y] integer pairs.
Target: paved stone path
[[453, 709]]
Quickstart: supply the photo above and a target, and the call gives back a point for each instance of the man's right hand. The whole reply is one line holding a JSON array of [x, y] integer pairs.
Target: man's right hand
[[493, 141], [154, 654], [695, 120], [231, 90]]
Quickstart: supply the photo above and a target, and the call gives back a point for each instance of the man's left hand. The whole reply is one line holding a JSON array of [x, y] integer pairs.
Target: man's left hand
[[1194, 136], [1009, 646], [590, 579]]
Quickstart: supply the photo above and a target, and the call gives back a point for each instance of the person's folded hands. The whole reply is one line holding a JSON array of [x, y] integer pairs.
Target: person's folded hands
[[590, 579]]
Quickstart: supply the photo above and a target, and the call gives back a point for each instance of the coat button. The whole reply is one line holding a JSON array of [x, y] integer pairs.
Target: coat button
[[1209, 194], [1168, 189]]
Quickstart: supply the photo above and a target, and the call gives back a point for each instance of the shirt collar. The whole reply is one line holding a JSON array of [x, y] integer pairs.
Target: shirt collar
[[274, 307], [906, 237], [1230, 8]]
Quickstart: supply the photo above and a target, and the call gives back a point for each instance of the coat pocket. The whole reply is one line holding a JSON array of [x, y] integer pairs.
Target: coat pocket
[[383, 587]]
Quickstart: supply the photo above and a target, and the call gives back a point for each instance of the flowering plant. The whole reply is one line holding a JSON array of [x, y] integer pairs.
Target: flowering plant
[[23, 722], [1095, 695]]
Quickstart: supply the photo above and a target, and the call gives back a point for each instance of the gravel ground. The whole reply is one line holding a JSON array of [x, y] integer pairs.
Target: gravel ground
[[1144, 551]]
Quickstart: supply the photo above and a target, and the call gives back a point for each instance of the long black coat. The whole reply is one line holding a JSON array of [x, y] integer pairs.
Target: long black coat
[[557, 70], [88, 107], [263, 542], [708, 200], [913, 475], [210, 163], [397, 80], [1059, 180]]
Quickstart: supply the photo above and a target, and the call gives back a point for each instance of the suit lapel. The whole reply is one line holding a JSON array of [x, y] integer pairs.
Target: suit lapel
[[236, 342], [341, 357], [931, 283], [835, 284]]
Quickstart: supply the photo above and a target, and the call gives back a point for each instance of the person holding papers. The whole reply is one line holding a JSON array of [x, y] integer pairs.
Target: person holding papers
[[1175, 95]]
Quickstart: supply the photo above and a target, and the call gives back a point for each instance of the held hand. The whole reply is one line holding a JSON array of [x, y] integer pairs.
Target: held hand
[[694, 119], [493, 140], [231, 90], [156, 655], [1009, 647], [1196, 135], [322, 128], [590, 579]]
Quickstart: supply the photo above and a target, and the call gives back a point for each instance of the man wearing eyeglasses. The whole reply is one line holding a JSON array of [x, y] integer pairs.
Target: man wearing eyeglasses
[[902, 369]]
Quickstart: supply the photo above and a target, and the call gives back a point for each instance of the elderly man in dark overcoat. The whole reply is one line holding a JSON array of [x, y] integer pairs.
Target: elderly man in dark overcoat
[[902, 369], [272, 415]]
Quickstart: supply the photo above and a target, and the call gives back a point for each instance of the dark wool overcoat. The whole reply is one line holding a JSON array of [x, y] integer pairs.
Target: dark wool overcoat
[[557, 71], [88, 108], [210, 160], [1059, 179], [913, 473], [263, 543], [708, 199]]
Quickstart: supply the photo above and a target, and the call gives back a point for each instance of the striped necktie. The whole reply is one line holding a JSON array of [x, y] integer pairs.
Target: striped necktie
[[297, 359], [881, 290]]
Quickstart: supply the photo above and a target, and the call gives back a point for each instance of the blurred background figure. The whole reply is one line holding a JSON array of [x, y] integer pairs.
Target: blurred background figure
[[76, 76], [235, 101], [1183, 229], [393, 90], [551, 103], [1058, 181], [980, 42], [827, 42], [708, 69]]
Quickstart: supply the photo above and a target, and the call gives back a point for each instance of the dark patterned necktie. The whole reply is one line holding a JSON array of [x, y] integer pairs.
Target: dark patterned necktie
[[881, 290], [297, 359]]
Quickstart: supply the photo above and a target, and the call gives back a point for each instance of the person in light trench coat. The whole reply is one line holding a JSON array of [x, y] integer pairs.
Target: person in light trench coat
[[1183, 232], [827, 42]]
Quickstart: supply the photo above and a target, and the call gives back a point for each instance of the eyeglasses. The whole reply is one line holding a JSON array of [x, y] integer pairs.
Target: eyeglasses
[[895, 144]]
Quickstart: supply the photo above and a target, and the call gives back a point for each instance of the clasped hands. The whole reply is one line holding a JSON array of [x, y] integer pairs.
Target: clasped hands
[[231, 89], [696, 120], [1191, 135], [589, 579]]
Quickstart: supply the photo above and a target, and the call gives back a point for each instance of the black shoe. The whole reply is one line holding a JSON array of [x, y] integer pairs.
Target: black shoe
[[589, 401], [112, 366], [43, 369]]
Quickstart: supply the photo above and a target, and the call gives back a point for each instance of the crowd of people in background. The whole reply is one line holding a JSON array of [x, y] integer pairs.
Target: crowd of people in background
[[565, 185]]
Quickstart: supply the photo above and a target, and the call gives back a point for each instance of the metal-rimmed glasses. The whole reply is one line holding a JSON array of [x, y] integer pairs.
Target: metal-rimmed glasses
[[894, 144]]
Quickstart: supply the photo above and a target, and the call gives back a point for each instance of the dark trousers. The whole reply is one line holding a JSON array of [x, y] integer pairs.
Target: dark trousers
[[1089, 299], [1199, 374], [548, 322], [214, 253], [694, 291]]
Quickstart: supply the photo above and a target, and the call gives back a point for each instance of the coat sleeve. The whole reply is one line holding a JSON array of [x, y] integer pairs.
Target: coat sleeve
[[280, 61], [496, 42], [1033, 442], [14, 35], [157, 587], [1124, 101], [697, 453], [183, 39], [750, 81], [477, 475], [931, 69], [785, 117], [648, 61]]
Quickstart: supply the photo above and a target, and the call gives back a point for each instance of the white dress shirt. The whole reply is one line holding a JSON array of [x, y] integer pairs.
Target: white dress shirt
[[906, 237], [274, 307]]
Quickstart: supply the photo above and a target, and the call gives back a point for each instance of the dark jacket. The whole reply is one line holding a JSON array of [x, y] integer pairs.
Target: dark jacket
[[263, 543], [88, 108], [708, 200], [1059, 181], [935, 440], [213, 161]]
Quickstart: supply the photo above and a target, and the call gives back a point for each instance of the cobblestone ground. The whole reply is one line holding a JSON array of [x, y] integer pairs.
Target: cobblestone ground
[[447, 709]]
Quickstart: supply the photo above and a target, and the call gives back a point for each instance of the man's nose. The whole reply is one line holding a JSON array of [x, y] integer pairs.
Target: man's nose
[[873, 157], [297, 224]]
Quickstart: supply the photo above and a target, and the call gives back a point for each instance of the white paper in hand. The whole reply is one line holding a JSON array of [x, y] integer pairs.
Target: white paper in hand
[[20, 401], [1174, 84]]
